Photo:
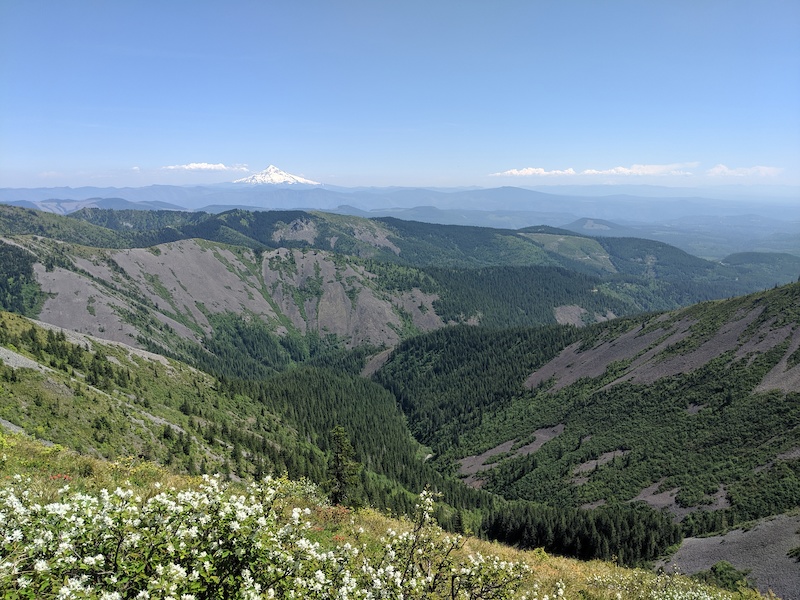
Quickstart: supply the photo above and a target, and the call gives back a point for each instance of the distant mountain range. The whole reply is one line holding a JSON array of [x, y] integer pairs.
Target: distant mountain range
[[710, 227]]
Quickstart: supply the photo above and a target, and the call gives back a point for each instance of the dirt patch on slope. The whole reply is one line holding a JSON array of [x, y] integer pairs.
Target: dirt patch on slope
[[606, 457], [543, 436], [762, 550], [570, 314], [419, 305], [781, 377], [17, 361], [472, 466], [375, 363], [11, 427], [726, 338], [766, 338], [660, 500], [375, 236], [572, 363], [666, 499], [792, 454]]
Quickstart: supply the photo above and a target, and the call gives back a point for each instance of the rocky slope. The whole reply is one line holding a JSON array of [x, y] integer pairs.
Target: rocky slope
[[176, 289]]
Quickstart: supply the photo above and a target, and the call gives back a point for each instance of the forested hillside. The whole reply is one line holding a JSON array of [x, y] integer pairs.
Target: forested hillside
[[160, 278], [171, 296], [697, 411], [424, 244], [109, 400], [19, 290]]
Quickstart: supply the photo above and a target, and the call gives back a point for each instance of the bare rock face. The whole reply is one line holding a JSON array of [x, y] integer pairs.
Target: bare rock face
[[303, 230], [121, 295], [194, 279], [320, 293]]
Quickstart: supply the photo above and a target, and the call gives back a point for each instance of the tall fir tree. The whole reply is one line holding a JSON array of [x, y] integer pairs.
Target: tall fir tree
[[343, 470]]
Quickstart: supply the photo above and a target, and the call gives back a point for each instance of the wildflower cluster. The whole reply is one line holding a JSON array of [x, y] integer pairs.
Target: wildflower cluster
[[637, 584], [557, 594], [211, 542]]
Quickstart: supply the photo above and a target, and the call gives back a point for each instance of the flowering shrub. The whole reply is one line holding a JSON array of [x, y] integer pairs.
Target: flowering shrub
[[420, 564], [635, 584], [211, 542]]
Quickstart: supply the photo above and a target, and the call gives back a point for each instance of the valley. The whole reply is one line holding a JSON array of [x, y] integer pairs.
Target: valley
[[597, 397]]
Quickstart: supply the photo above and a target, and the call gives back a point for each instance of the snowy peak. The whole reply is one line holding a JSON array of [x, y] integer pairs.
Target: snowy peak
[[274, 175]]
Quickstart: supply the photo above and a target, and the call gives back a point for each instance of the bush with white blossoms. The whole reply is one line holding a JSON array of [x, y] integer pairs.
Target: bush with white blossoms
[[211, 542], [639, 585], [421, 564]]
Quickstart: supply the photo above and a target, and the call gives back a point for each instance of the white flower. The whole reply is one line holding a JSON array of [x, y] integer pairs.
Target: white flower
[[14, 536], [40, 566]]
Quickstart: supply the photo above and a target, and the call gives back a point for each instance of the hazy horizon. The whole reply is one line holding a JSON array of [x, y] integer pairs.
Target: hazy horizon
[[712, 191]]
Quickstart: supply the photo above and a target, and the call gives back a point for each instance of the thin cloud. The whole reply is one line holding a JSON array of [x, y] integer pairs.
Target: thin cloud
[[533, 172], [631, 171], [645, 170], [206, 167], [757, 171]]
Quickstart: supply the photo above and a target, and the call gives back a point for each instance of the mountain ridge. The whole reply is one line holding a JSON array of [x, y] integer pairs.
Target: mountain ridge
[[706, 226], [162, 275]]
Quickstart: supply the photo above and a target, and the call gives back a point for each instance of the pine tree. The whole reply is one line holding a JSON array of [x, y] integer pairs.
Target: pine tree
[[343, 470]]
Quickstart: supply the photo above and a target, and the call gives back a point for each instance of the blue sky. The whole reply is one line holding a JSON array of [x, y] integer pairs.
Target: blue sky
[[447, 93]]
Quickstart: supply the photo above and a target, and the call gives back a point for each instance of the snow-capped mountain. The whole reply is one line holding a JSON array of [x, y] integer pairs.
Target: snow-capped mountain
[[274, 175]]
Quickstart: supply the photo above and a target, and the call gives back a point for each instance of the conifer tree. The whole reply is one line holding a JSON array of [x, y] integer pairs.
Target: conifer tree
[[343, 470]]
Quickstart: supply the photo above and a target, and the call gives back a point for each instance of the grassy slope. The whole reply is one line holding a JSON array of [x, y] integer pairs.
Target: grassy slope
[[96, 412], [108, 400], [48, 469], [140, 405]]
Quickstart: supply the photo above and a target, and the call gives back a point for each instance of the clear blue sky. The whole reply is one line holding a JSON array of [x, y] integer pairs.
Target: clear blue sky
[[374, 92]]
